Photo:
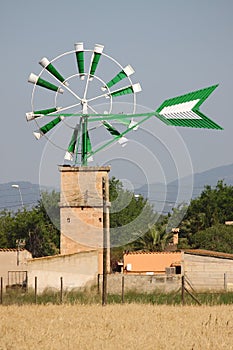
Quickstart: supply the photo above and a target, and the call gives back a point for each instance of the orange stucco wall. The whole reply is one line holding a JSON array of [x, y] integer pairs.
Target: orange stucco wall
[[150, 262]]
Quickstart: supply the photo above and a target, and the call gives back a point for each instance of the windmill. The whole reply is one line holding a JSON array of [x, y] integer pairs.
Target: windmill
[[80, 113], [82, 101]]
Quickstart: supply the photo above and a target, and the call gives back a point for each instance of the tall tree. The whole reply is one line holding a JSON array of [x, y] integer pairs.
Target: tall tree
[[216, 238], [129, 215], [34, 226], [213, 206]]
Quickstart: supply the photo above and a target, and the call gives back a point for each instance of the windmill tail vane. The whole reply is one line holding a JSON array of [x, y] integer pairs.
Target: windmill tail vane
[[182, 111]]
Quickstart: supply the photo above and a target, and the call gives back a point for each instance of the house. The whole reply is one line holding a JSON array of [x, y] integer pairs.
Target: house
[[204, 270], [152, 262]]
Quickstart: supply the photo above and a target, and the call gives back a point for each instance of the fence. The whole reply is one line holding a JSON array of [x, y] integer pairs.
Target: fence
[[121, 284]]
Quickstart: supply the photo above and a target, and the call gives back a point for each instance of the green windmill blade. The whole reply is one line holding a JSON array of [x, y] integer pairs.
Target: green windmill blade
[[131, 89], [47, 127], [34, 79], [115, 133], [118, 135], [79, 51], [41, 113], [98, 49], [184, 110], [124, 73], [73, 145], [89, 149], [45, 63]]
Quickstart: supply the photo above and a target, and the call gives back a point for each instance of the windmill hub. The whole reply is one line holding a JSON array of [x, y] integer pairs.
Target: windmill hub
[[84, 105]]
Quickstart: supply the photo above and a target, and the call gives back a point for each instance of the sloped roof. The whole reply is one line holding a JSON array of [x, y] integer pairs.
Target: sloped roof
[[155, 253], [11, 249], [209, 253]]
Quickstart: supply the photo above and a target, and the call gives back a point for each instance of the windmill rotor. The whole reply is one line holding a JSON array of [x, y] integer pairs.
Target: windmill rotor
[[76, 103]]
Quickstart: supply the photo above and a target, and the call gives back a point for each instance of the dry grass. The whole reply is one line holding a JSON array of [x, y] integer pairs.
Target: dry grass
[[132, 326]]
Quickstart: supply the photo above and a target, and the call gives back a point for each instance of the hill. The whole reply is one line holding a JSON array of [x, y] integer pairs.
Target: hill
[[184, 189], [162, 196]]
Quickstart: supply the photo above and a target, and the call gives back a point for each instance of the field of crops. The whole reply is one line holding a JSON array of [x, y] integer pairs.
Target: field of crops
[[128, 326]]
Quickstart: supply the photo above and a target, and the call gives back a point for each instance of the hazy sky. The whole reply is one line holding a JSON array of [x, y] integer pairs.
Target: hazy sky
[[174, 46]]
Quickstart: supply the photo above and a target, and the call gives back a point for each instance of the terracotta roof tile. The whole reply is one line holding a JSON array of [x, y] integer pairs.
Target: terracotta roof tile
[[144, 252], [208, 253]]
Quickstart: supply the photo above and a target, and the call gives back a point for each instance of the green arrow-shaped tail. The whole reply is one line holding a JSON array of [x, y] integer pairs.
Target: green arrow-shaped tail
[[184, 110]]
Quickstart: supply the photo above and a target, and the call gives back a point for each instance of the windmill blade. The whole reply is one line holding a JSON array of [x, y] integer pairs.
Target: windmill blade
[[98, 49], [89, 149], [41, 113], [73, 145], [110, 142], [124, 73], [47, 127], [114, 132], [45, 63], [133, 125], [34, 79], [128, 122], [184, 110], [79, 51], [126, 90]]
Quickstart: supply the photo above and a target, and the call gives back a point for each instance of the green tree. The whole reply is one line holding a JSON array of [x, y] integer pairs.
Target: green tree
[[216, 238], [7, 239], [129, 215], [34, 226], [214, 206]]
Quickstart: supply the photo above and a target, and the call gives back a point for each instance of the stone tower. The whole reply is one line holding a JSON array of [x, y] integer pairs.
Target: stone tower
[[81, 210]]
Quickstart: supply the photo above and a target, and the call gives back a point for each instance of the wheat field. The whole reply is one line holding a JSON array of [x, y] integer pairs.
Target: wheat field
[[128, 326]]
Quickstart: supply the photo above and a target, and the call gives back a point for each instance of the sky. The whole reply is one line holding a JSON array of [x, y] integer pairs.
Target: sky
[[174, 47]]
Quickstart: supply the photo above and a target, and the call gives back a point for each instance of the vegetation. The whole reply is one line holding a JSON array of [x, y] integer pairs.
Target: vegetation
[[130, 216], [214, 206], [134, 224], [91, 296], [203, 226], [33, 227]]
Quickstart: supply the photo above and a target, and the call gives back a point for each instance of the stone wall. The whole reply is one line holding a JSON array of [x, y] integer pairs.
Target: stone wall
[[208, 273], [77, 270], [142, 283]]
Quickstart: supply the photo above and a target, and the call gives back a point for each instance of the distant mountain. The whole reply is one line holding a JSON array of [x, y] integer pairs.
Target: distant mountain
[[164, 197]]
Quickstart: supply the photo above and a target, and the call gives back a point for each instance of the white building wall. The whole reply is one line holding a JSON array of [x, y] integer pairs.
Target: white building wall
[[76, 270]]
